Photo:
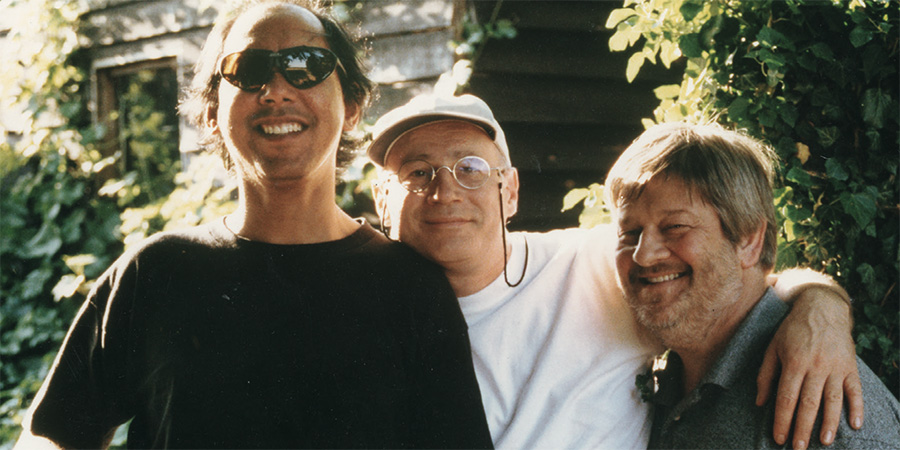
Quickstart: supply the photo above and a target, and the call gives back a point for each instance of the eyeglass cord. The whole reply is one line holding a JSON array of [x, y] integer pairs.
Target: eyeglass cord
[[503, 233], [387, 234]]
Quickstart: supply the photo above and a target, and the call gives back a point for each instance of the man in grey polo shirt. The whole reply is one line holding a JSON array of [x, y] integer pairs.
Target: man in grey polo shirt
[[696, 228]]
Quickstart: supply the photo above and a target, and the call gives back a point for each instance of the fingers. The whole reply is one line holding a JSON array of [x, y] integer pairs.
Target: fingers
[[767, 374], [808, 409], [785, 403], [853, 391], [831, 412]]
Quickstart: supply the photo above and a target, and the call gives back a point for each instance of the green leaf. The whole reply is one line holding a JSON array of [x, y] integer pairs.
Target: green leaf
[[822, 51], [689, 10], [799, 176], [861, 206], [690, 45], [796, 214], [618, 41], [767, 117], [634, 66], [788, 114], [772, 39], [46, 242], [867, 273], [875, 107], [737, 110], [618, 15], [574, 197], [67, 286], [860, 36], [772, 60], [835, 170], [34, 283], [667, 91], [828, 135]]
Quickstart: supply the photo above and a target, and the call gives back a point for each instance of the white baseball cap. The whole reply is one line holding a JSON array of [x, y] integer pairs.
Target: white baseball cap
[[427, 108]]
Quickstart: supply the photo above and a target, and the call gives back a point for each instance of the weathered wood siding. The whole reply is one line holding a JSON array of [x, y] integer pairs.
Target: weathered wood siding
[[562, 99]]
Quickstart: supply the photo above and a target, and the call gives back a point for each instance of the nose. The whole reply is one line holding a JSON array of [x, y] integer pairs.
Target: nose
[[277, 90], [443, 187], [651, 249]]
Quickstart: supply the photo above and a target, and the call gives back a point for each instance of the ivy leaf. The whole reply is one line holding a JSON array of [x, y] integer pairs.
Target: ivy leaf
[[822, 51], [34, 282], [689, 10], [802, 152], [46, 242], [690, 45], [860, 206], [799, 176], [828, 135], [796, 214], [788, 114], [770, 38], [875, 106], [771, 60], [835, 170], [737, 110], [860, 36]]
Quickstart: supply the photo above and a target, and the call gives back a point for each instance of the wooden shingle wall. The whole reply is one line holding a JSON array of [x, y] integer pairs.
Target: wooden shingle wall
[[562, 99]]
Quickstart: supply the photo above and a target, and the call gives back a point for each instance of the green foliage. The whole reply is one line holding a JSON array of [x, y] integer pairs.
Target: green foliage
[[58, 228], [63, 217], [595, 211], [49, 205], [819, 81]]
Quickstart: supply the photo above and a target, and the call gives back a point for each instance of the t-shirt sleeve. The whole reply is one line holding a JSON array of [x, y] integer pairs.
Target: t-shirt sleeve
[[451, 405], [81, 402]]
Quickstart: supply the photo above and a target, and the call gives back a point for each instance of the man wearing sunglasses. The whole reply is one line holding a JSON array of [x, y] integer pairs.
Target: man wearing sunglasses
[[287, 324], [555, 346]]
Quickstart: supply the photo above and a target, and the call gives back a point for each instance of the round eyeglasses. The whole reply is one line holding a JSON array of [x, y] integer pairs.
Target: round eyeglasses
[[471, 172]]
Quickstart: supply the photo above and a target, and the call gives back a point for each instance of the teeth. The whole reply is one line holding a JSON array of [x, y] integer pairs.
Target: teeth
[[661, 279], [282, 129]]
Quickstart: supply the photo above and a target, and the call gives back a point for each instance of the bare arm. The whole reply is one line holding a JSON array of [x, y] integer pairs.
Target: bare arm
[[814, 350]]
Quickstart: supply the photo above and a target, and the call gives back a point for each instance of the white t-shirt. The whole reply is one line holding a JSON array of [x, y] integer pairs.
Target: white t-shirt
[[556, 357]]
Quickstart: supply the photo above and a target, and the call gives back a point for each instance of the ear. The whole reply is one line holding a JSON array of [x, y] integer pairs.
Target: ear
[[351, 116], [212, 119], [380, 195], [750, 247], [511, 192]]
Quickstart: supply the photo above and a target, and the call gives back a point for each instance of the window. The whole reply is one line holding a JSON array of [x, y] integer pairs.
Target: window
[[137, 105]]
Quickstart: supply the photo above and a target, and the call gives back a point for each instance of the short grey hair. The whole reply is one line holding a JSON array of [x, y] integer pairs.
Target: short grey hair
[[730, 170]]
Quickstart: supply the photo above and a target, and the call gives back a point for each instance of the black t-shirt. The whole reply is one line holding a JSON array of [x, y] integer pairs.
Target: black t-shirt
[[208, 340]]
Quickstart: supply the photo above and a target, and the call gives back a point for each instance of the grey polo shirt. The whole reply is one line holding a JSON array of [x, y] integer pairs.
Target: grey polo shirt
[[721, 412]]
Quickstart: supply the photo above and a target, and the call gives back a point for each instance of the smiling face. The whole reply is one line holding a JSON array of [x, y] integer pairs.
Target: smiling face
[[280, 132], [679, 272], [449, 224]]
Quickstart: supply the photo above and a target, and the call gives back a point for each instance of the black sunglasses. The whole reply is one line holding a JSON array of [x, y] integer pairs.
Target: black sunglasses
[[302, 67]]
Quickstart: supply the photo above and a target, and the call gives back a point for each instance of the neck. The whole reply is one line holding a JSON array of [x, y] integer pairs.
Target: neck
[[292, 214], [699, 357], [472, 275]]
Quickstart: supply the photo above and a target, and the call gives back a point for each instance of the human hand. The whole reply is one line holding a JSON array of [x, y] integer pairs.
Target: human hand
[[817, 357]]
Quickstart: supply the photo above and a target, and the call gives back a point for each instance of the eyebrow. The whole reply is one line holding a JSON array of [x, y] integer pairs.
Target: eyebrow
[[666, 213], [456, 155]]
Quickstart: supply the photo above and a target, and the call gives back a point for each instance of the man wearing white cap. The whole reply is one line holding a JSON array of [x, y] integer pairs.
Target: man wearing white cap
[[555, 347]]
